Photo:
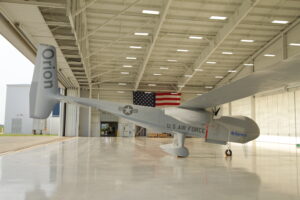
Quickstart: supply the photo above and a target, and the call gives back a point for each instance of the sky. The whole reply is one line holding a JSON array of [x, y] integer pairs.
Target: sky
[[14, 69]]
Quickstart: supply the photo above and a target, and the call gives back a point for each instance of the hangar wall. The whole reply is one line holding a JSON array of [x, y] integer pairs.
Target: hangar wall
[[72, 115], [276, 112], [95, 123], [84, 116]]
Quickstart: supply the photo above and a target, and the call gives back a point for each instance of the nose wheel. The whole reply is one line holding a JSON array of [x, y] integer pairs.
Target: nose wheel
[[228, 151]]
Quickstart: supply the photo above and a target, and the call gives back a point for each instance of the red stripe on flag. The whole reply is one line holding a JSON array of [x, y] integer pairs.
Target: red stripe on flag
[[163, 99], [167, 104], [168, 93]]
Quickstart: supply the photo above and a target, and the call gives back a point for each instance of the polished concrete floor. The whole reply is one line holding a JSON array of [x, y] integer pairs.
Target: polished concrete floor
[[16, 143], [129, 168]]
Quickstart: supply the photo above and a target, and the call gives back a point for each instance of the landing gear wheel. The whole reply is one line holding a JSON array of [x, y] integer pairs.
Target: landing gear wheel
[[228, 152]]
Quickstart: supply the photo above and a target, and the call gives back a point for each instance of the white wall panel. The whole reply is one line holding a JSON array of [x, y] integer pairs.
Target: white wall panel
[[241, 107], [107, 117], [225, 110], [53, 125], [72, 117], [84, 116], [126, 128], [275, 114], [297, 116], [95, 123]]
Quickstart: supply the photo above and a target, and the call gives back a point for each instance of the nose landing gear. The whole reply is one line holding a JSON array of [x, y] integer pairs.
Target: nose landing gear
[[228, 151]]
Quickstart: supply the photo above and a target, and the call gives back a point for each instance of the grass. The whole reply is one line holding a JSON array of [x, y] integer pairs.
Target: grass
[[15, 134]]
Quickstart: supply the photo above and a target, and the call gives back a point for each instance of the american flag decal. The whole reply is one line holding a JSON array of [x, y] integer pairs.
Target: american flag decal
[[167, 99]]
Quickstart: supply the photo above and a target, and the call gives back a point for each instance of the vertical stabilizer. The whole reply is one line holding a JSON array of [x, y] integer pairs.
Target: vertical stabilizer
[[44, 87]]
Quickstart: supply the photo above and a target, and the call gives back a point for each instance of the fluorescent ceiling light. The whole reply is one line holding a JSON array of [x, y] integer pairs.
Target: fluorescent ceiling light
[[199, 94], [121, 92], [165, 68], [151, 84], [295, 44], [280, 22], [124, 72], [218, 76], [135, 47], [188, 75], [227, 53], [211, 62], [141, 33], [156, 74], [127, 66], [248, 41], [232, 71], [208, 87], [199, 70], [131, 58], [218, 17], [195, 37], [269, 55], [248, 64], [151, 12], [182, 50], [122, 83], [170, 60]]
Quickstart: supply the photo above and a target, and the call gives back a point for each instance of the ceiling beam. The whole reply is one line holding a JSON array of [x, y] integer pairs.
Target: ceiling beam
[[230, 76], [57, 23], [240, 14], [87, 5], [116, 40], [48, 4], [147, 89], [152, 44], [79, 29], [109, 20]]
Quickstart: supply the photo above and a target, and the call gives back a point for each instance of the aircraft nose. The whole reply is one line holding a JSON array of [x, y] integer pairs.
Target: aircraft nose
[[252, 129]]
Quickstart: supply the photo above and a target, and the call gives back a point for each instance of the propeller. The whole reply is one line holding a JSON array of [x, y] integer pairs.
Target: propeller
[[216, 110]]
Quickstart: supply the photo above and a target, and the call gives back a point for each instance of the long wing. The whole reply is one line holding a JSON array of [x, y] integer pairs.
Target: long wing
[[283, 73]]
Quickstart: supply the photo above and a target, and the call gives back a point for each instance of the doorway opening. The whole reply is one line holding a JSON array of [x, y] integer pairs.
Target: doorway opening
[[108, 129]]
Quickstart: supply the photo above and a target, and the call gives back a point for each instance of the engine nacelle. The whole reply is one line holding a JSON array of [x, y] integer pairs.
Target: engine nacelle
[[239, 129]]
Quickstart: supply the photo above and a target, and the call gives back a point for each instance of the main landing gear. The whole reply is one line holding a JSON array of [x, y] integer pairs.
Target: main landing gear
[[177, 148], [228, 151]]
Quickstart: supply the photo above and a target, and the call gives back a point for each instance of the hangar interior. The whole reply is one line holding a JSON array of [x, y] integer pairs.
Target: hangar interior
[[109, 48]]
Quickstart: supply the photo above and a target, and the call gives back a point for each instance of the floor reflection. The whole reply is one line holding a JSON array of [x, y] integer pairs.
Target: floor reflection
[[128, 168]]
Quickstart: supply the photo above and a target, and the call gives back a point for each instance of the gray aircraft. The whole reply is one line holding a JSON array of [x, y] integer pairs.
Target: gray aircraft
[[192, 118]]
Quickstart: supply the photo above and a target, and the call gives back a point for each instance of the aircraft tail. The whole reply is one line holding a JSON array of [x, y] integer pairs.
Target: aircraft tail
[[44, 85]]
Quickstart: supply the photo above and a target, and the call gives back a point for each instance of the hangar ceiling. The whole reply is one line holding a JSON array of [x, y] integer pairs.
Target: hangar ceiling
[[189, 46]]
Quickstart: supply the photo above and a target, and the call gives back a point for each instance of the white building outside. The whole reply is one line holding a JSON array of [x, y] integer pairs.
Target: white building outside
[[17, 118]]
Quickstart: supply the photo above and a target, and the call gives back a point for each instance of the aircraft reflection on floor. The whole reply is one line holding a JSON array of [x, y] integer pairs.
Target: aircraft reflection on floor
[[126, 168]]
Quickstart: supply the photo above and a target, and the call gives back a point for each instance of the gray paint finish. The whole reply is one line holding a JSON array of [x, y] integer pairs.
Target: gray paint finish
[[188, 120]]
